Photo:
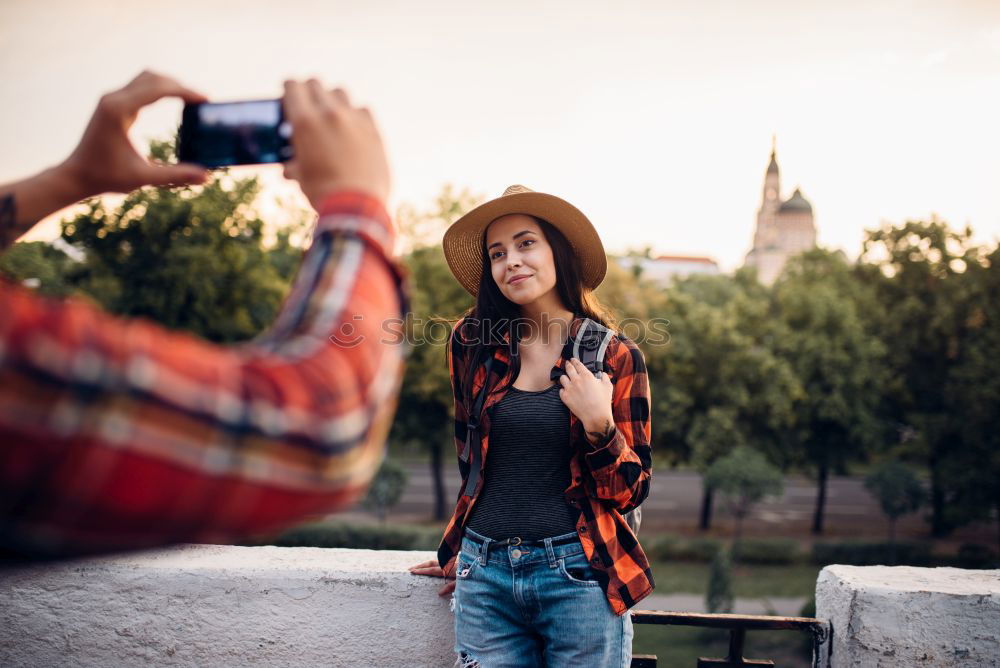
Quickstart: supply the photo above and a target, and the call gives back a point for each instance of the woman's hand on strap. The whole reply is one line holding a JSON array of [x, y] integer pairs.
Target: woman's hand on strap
[[589, 398], [432, 569]]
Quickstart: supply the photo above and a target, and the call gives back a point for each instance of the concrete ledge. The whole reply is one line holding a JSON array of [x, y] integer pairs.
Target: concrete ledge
[[210, 605], [905, 616]]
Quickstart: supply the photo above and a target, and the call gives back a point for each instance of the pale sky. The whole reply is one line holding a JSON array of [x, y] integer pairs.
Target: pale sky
[[654, 118]]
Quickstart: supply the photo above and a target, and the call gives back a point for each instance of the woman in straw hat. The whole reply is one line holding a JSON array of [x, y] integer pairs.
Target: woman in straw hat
[[542, 566]]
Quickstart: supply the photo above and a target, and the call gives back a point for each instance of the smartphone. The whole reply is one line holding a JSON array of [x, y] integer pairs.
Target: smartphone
[[221, 134]]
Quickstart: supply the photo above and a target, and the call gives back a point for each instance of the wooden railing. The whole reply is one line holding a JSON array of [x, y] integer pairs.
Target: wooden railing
[[738, 625]]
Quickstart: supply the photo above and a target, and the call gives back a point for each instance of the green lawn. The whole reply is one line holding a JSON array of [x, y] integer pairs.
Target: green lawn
[[683, 577], [680, 647]]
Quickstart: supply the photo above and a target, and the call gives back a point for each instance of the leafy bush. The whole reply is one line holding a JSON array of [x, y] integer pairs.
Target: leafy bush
[[360, 536], [719, 596], [973, 555], [669, 547], [871, 554], [664, 547], [779, 551]]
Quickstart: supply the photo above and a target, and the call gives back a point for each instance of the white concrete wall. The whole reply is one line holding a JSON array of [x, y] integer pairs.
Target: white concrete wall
[[904, 616], [208, 605]]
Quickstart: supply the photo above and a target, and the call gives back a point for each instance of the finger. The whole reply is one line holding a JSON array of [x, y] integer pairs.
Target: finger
[[340, 96], [296, 102], [447, 589], [565, 380], [425, 564], [571, 369], [291, 170], [149, 87], [318, 95]]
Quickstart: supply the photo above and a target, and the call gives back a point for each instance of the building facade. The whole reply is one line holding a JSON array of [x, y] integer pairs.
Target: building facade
[[666, 268], [784, 228]]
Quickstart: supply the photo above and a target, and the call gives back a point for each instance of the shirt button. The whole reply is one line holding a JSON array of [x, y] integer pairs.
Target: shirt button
[[516, 553], [582, 529]]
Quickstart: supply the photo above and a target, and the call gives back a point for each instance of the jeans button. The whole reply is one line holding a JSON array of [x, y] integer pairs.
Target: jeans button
[[516, 553], [583, 529]]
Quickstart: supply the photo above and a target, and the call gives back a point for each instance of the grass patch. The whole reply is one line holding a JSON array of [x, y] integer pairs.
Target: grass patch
[[681, 646], [749, 581]]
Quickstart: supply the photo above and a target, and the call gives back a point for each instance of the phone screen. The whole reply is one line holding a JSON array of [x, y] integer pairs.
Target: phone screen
[[220, 134]]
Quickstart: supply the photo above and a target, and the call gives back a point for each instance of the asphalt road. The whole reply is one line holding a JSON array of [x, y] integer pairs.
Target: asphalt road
[[675, 499]]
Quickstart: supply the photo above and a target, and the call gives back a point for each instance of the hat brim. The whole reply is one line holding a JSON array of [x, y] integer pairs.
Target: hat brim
[[463, 240]]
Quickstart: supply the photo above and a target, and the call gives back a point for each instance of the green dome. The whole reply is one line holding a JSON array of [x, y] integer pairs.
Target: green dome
[[796, 203]]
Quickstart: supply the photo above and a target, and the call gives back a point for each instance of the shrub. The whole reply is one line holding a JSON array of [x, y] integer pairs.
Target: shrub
[[719, 596], [359, 536], [778, 551], [668, 547], [973, 555], [871, 554], [701, 549]]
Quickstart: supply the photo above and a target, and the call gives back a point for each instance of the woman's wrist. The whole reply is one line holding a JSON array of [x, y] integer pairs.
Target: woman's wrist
[[599, 429]]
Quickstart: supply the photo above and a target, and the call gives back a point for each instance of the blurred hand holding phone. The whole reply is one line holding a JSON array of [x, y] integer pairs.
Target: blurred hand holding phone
[[223, 134], [336, 145]]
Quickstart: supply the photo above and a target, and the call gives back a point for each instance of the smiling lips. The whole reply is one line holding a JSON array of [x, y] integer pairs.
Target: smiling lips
[[518, 279]]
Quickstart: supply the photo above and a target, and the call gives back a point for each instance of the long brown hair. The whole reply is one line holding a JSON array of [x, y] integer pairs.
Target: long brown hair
[[493, 310]]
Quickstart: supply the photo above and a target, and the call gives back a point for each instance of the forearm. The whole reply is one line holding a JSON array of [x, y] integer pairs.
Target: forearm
[[24, 203], [194, 441]]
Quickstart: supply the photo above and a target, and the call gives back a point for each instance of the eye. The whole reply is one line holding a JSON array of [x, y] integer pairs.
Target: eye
[[527, 241], [495, 254]]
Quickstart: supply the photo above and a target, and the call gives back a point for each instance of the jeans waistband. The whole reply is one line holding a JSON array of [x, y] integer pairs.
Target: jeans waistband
[[565, 539], [553, 548]]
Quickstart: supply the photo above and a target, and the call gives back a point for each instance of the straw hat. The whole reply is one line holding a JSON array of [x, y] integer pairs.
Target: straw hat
[[463, 240]]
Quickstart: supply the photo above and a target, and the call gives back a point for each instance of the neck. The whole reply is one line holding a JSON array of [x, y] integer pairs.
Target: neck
[[551, 320]]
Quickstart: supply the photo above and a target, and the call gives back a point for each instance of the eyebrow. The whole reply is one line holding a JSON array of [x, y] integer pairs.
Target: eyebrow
[[497, 243]]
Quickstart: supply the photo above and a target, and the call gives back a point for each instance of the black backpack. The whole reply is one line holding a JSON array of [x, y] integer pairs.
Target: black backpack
[[589, 346]]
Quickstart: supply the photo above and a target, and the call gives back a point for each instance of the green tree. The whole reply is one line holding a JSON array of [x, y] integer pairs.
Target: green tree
[[719, 385], [972, 467], [917, 271], [191, 258], [386, 489], [840, 365], [425, 414], [744, 477], [39, 265], [899, 493]]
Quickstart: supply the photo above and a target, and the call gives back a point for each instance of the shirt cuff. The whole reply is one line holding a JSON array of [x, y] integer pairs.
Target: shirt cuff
[[605, 452]]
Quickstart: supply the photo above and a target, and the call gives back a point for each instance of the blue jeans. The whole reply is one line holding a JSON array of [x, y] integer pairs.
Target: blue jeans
[[536, 604]]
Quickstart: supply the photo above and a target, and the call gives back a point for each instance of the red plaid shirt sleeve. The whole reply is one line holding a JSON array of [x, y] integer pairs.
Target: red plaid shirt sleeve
[[621, 466], [117, 433]]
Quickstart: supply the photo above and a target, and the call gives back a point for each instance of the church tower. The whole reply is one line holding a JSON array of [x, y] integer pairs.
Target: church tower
[[783, 228]]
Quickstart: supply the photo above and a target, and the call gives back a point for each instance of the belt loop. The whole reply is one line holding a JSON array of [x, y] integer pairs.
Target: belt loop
[[550, 552], [484, 551]]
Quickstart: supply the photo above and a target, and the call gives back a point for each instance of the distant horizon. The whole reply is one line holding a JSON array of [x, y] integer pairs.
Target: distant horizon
[[655, 119]]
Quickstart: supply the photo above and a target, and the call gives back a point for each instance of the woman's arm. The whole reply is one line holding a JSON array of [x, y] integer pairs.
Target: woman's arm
[[617, 450]]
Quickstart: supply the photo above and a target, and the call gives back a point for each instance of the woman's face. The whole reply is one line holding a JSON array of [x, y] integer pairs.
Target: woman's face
[[520, 258]]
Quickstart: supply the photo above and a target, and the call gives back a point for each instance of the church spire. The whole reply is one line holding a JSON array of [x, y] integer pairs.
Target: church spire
[[772, 168]]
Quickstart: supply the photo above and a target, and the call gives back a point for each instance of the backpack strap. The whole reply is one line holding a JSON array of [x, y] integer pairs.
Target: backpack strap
[[591, 344], [472, 441]]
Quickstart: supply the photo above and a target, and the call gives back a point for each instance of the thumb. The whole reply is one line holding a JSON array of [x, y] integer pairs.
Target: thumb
[[177, 175]]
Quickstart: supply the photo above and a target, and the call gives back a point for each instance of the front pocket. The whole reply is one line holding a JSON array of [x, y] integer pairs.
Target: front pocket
[[577, 570], [465, 566]]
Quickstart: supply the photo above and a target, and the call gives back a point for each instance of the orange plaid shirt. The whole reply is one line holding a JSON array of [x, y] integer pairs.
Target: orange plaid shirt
[[117, 433], [608, 478]]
